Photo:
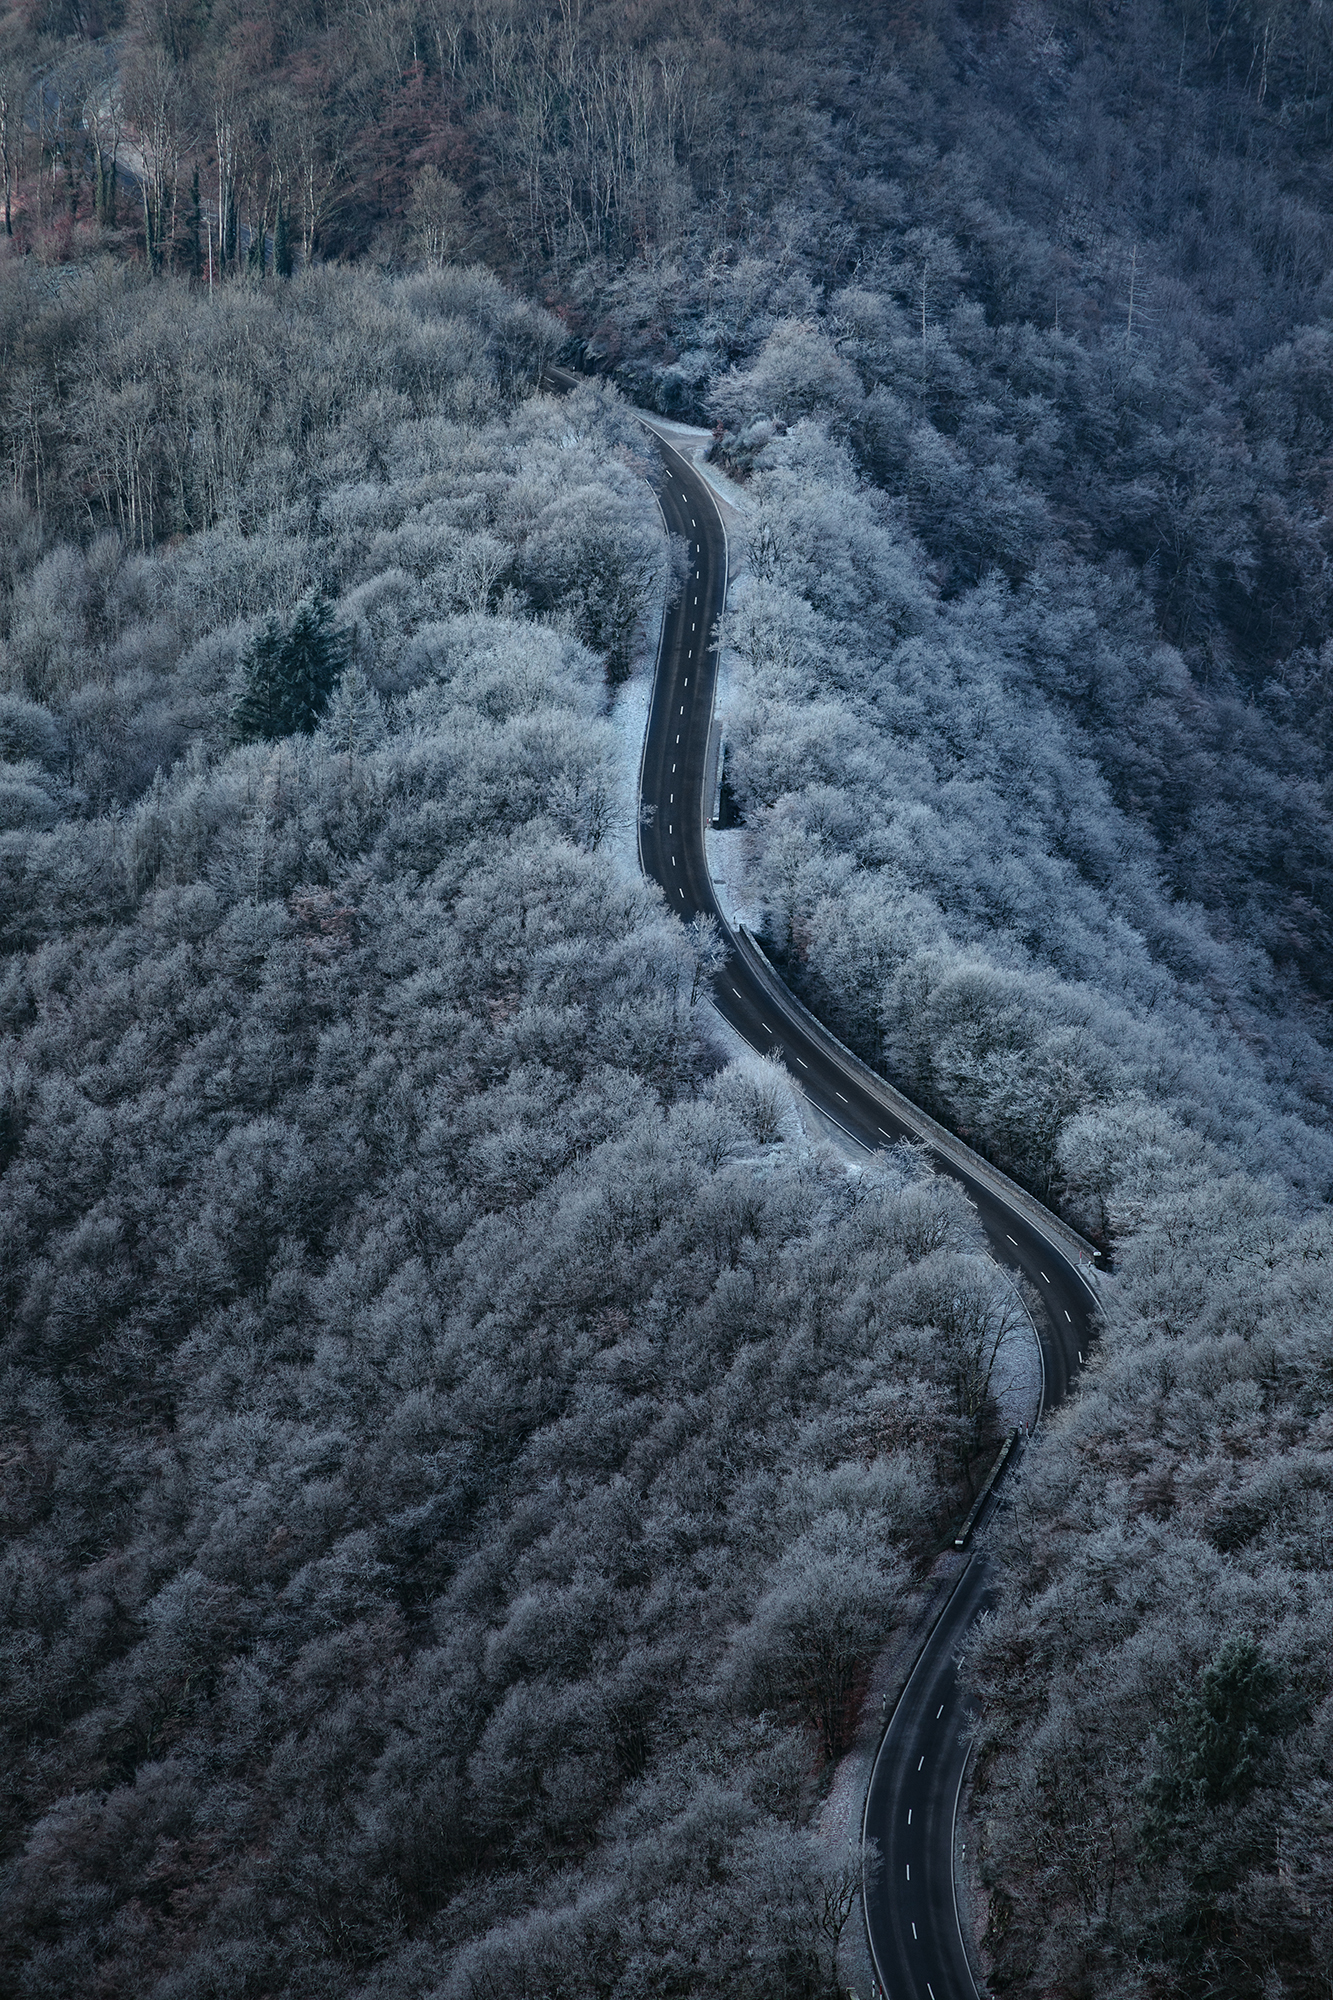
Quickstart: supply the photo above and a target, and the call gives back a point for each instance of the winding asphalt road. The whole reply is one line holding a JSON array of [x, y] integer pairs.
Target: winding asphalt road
[[911, 1913]]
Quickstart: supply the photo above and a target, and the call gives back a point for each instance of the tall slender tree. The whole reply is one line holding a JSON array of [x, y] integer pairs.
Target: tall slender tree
[[282, 242], [196, 228]]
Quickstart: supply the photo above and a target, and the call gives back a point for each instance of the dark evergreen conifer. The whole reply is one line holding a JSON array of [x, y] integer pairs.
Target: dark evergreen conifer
[[289, 676], [1213, 1751], [313, 656], [259, 710]]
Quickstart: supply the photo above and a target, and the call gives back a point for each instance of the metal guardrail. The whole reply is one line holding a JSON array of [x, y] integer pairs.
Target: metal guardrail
[[938, 1137], [713, 771], [961, 1539]]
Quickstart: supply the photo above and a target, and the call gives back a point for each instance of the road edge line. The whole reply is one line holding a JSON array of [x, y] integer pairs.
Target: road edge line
[[953, 1870], [932, 1622]]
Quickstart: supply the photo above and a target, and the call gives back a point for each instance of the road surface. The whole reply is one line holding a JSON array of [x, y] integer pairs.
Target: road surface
[[911, 1912]]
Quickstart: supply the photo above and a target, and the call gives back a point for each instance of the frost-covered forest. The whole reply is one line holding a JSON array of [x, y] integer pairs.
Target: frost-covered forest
[[951, 879], [461, 1446]]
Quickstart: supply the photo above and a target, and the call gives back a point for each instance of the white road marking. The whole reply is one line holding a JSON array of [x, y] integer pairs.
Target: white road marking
[[802, 1061], [1070, 1320], [909, 1871], [737, 991], [1080, 1354], [913, 1930], [920, 1762], [909, 1815], [939, 1711], [687, 680], [1045, 1278], [764, 1025], [1010, 1239], [930, 1989], [841, 1099], [673, 767], [882, 1133]]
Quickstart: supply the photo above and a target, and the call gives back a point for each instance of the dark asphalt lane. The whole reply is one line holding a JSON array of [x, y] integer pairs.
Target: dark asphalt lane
[[911, 1912], [910, 1908]]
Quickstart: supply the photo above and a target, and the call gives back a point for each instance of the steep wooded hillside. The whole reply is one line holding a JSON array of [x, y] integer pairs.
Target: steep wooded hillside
[[460, 1447], [386, 1239]]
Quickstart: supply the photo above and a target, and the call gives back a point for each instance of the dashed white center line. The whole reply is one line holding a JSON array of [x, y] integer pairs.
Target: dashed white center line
[[909, 1871], [1080, 1354], [737, 991], [764, 1025], [802, 1061], [930, 1989], [841, 1099], [914, 1931], [1011, 1239], [882, 1133], [1070, 1320], [920, 1761], [1045, 1279], [939, 1711], [909, 1815]]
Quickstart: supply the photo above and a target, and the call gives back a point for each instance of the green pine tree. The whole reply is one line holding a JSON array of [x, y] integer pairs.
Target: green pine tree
[[288, 676], [259, 713], [314, 655], [1213, 1750]]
